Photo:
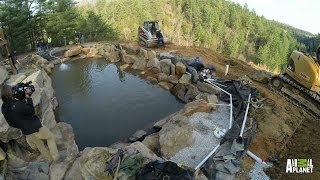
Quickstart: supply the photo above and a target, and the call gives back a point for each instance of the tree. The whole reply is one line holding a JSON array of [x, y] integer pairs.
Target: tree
[[96, 29]]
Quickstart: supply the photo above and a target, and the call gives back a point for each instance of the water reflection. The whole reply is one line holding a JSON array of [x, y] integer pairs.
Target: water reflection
[[121, 74], [63, 67]]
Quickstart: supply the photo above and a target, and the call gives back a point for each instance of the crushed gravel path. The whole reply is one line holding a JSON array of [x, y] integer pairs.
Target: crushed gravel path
[[204, 125], [257, 171]]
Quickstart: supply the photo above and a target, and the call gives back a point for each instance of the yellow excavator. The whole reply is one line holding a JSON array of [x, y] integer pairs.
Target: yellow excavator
[[300, 83]]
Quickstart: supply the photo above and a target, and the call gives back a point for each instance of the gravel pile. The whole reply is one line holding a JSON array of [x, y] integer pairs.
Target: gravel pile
[[204, 125], [257, 172]]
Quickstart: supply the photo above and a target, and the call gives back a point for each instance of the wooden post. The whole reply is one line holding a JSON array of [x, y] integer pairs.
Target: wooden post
[[4, 43]]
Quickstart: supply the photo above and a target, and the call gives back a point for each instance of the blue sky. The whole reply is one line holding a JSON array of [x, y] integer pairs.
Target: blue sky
[[303, 14]]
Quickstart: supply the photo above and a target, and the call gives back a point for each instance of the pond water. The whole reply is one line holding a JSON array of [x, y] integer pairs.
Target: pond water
[[104, 104]]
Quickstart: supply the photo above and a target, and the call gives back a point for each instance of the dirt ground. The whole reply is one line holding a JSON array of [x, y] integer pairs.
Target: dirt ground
[[284, 131]]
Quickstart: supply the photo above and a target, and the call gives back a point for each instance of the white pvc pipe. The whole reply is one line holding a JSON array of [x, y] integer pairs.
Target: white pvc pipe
[[217, 83], [230, 122], [227, 70], [221, 104], [256, 158], [230, 95], [245, 116], [207, 157]]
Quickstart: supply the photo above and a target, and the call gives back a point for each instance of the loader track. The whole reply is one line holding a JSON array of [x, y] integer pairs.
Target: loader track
[[286, 82]]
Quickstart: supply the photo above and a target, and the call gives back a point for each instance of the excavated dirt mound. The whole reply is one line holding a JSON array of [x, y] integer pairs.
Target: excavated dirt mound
[[304, 144], [284, 131]]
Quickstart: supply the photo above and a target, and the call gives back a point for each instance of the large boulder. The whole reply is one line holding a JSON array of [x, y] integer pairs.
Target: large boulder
[[180, 69], [36, 78], [58, 169], [166, 55], [138, 135], [24, 163], [3, 74], [107, 48], [15, 79], [139, 64], [185, 93], [261, 76], [48, 118], [3, 123], [162, 77], [139, 147], [2, 157], [152, 54], [57, 61], [85, 50], [48, 67], [68, 150], [154, 64], [175, 135], [122, 54], [165, 66], [212, 99], [64, 137], [196, 106], [36, 59], [93, 162], [152, 142], [165, 85], [130, 49], [113, 56], [74, 51], [124, 66], [173, 79], [33, 170], [172, 69], [74, 171], [185, 79], [207, 88], [92, 53], [129, 59], [152, 79], [144, 54]]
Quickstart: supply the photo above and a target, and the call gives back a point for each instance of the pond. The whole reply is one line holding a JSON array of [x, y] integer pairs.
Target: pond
[[105, 105]]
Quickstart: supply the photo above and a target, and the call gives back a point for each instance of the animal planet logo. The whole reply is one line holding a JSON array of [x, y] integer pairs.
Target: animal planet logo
[[299, 166]]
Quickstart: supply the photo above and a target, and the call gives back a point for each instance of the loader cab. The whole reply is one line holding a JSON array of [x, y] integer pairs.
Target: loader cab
[[151, 26]]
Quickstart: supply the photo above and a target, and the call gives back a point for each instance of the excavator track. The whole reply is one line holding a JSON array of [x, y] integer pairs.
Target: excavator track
[[296, 94], [293, 83]]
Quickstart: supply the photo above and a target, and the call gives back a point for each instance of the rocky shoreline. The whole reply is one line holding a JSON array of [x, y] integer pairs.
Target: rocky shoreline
[[170, 134]]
